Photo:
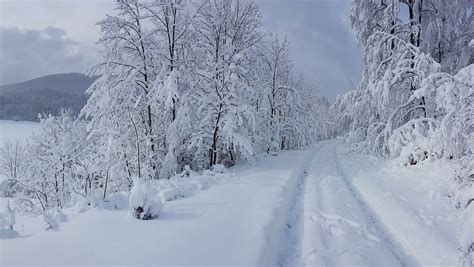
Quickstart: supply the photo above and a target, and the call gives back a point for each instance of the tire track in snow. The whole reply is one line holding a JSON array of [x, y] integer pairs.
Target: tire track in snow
[[336, 229], [375, 222], [287, 228], [282, 232], [290, 245]]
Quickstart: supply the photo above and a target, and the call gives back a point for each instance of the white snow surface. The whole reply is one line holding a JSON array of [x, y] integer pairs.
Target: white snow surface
[[339, 229], [414, 205], [323, 206], [223, 225], [13, 131]]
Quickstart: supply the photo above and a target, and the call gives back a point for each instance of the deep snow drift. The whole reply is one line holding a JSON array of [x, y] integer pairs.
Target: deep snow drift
[[323, 206]]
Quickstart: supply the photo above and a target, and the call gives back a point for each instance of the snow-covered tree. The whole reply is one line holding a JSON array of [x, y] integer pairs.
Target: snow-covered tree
[[173, 25], [123, 96], [276, 88], [227, 32], [12, 159], [447, 30], [182, 85], [415, 99]]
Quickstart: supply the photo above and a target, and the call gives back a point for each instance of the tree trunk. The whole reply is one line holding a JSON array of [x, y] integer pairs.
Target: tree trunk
[[106, 183], [213, 158]]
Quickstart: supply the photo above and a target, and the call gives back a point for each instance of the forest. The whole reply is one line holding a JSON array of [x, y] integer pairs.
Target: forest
[[181, 87]]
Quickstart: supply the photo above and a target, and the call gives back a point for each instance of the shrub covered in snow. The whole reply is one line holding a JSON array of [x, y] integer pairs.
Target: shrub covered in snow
[[53, 218], [144, 200]]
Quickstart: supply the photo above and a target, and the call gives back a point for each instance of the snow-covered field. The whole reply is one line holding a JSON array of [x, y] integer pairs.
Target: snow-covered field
[[319, 207], [16, 130]]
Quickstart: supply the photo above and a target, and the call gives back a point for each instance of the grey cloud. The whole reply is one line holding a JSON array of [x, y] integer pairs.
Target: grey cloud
[[27, 54], [323, 46]]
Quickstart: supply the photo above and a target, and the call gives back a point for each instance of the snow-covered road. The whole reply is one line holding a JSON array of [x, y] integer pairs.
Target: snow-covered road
[[338, 226], [317, 207], [360, 210]]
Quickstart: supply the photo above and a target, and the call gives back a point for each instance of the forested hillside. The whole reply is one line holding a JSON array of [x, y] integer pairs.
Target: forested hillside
[[45, 95]]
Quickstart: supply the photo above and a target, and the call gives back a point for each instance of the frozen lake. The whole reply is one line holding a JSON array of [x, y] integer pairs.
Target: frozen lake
[[16, 130]]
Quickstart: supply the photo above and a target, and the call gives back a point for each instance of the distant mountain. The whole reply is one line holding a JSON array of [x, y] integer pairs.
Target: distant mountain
[[48, 94], [71, 83]]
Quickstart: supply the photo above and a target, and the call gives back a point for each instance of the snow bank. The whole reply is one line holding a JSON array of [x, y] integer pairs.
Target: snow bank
[[183, 185], [467, 236], [7, 220], [53, 218], [189, 182], [114, 201], [413, 202]]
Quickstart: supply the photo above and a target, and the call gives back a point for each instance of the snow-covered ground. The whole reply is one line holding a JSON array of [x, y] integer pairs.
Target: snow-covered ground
[[323, 206], [413, 204], [228, 224], [339, 228], [17, 130]]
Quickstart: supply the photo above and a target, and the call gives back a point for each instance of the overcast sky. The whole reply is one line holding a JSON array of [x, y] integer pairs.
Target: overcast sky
[[39, 37]]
